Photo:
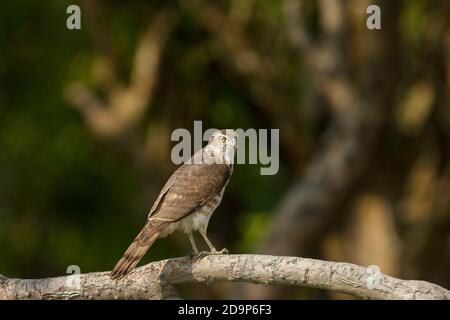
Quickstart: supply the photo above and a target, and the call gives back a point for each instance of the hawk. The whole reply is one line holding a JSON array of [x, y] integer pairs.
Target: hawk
[[187, 200]]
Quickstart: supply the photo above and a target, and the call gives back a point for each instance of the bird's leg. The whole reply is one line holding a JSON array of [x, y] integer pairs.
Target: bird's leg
[[209, 243], [212, 249], [194, 246]]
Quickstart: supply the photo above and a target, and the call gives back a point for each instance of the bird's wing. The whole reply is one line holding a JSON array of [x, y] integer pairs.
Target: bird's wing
[[164, 190], [188, 189]]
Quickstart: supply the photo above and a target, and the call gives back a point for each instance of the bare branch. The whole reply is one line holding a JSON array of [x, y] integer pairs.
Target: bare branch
[[157, 280], [146, 64], [125, 104]]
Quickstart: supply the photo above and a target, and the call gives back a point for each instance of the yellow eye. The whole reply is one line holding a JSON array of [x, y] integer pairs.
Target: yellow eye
[[222, 139]]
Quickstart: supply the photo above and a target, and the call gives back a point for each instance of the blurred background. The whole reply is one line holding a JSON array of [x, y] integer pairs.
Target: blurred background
[[364, 118]]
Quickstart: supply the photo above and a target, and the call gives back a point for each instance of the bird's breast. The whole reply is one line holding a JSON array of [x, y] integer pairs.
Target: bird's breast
[[199, 219]]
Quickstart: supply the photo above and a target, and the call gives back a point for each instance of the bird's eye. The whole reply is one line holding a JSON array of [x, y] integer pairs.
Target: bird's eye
[[222, 139]]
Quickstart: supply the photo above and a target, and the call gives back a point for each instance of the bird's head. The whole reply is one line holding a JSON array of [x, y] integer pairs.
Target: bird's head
[[223, 145]]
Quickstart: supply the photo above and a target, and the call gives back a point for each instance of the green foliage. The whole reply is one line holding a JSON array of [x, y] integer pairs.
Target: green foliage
[[68, 197]]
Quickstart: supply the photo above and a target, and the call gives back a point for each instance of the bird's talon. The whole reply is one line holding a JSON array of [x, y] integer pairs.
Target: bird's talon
[[200, 255], [193, 255], [203, 254]]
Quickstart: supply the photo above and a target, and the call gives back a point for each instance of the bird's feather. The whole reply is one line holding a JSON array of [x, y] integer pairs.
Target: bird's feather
[[187, 190], [190, 188]]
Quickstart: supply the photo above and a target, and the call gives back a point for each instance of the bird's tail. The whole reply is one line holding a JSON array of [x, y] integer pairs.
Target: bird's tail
[[136, 250]]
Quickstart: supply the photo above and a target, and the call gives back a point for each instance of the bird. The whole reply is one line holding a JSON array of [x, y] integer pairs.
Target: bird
[[187, 200]]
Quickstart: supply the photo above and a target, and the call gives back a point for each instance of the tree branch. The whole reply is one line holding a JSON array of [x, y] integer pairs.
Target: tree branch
[[157, 280], [126, 104]]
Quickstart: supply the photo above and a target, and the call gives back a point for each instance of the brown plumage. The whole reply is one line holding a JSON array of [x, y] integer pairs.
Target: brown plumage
[[137, 249], [186, 202]]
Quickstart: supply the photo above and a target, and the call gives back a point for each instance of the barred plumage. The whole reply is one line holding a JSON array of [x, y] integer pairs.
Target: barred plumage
[[186, 201]]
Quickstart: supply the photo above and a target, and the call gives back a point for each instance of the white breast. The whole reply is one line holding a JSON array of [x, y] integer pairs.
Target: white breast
[[197, 220]]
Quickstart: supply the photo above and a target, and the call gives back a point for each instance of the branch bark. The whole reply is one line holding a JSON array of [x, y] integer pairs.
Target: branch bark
[[158, 280]]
